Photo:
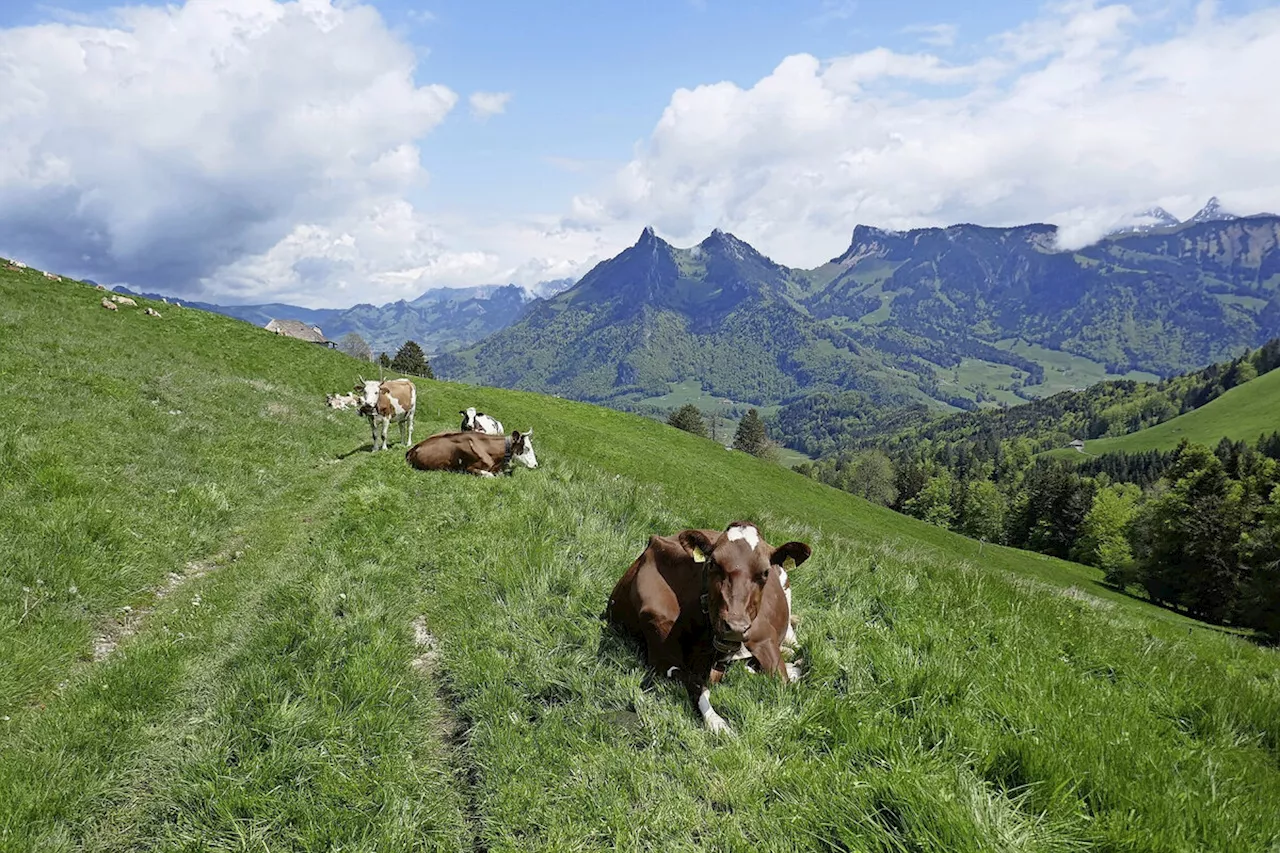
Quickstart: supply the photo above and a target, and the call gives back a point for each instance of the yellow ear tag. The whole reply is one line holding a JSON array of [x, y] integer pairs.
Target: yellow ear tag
[[789, 563], [698, 556]]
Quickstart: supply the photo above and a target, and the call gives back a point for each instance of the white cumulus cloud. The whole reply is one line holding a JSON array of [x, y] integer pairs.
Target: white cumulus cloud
[[1079, 117], [169, 145]]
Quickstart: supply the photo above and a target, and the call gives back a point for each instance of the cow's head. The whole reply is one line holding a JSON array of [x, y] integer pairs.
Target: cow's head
[[468, 418], [736, 566], [522, 448], [366, 393]]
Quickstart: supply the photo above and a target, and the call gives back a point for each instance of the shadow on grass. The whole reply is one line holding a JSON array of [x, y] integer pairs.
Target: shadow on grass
[[1242, 633], [364, 448]]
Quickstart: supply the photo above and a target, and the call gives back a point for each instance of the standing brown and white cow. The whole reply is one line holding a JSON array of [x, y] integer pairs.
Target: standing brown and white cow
[[387, 401], [704, 598]]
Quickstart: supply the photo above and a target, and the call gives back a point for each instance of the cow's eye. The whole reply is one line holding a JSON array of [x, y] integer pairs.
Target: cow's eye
[[764, 576]]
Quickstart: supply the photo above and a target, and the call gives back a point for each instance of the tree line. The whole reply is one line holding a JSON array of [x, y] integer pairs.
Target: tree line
[[751, 436], [824, 423], [408, 359], [1195, 528]]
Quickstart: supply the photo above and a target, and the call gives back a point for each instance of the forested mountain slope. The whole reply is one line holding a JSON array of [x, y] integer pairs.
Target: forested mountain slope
[[964, 315]]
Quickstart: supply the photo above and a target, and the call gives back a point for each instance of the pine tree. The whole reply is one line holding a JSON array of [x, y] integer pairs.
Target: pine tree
[[384, 360], [1189, 534], [688, 418], [411, 359], [751, 436]]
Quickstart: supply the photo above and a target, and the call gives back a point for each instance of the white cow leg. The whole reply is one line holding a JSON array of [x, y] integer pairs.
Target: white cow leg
[[373, 428], [714, 721], [408, 442]]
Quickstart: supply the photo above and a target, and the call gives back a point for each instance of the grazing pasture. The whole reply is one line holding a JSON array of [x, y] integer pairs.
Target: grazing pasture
[[224, 627], [1242, 413]]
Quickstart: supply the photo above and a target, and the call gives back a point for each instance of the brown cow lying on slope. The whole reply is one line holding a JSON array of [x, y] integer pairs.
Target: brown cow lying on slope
[[474, 452], [704, 598]]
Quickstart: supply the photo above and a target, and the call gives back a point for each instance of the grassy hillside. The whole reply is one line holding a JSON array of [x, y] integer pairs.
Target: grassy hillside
[[224, 627], [1242, 413]]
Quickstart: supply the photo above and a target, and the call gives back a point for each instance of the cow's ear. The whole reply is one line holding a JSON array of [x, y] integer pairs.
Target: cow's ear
[[790, 555], [696, 544]]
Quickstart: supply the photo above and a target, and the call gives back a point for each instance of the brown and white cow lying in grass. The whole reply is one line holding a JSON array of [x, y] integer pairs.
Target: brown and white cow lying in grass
[[704, 598], [473, 421], [474, 452], [341, 401], [385, 402]]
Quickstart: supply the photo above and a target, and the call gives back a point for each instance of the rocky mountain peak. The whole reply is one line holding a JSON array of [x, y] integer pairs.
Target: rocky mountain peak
[[1212, 212], [648, 237]]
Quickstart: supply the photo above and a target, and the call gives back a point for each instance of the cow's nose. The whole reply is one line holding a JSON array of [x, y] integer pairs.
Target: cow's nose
[[735, 630]]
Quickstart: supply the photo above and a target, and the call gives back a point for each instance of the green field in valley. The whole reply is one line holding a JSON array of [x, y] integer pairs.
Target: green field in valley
[[1064, 371], [224, 625], [1241, 413]]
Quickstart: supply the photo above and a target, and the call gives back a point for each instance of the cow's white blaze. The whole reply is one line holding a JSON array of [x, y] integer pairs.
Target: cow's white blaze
[[745, 532], [370, 396]]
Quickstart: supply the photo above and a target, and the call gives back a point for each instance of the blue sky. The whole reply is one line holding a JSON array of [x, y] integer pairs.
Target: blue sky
[[590, 79], [255, 149]]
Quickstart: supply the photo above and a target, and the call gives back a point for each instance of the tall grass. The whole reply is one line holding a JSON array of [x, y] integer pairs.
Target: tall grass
[[957, 698]]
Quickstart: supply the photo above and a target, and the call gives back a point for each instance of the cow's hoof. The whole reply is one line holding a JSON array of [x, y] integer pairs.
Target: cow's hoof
[[717, 725]]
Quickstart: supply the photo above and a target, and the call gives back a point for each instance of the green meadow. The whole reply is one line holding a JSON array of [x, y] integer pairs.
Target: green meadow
[[226, 626], [1242, 413]]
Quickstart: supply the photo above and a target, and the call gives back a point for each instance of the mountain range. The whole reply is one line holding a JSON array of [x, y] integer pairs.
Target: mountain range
[[959, 315], [439, 319], [1157, 218]]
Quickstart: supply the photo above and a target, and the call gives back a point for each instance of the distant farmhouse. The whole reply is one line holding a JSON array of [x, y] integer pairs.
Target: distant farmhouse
[[1078, 444], [301, 331]]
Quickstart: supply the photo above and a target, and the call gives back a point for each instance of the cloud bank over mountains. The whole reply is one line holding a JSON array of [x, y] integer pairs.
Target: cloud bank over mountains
[[254, 150], [1078, 118]]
